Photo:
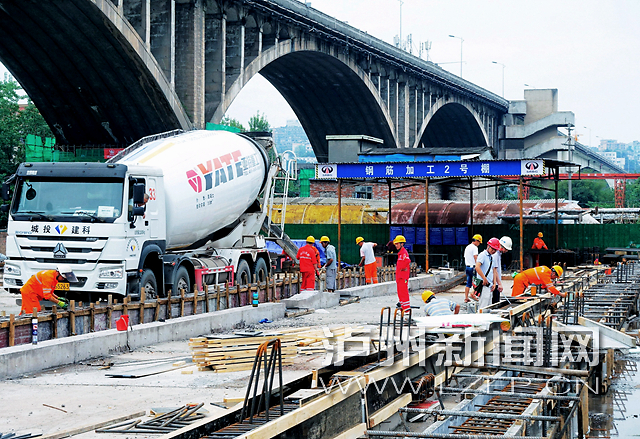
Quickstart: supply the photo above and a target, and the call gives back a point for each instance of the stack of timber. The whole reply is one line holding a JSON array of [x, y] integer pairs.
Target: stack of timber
[[237, 353]]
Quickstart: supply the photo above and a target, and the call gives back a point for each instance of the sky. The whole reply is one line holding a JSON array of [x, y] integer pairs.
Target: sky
[[587, 49]]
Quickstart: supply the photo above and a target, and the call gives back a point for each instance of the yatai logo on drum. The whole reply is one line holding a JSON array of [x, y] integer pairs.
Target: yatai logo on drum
[[216, 171]]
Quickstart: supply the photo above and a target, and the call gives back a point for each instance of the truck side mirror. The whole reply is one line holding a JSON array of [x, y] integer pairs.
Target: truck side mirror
[[4, 208], [138, 210], [138, 193], [6, 192]]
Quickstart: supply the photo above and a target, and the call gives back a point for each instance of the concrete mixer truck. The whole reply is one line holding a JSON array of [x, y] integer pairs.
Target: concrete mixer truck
[[168, 212]]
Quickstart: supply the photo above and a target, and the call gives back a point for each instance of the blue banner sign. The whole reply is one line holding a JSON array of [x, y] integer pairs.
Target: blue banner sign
[[488, 168]]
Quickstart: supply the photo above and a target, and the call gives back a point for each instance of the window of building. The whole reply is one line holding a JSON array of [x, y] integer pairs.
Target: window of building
[[365, 192]]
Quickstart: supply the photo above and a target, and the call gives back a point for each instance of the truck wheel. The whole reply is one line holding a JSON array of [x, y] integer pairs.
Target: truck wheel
[[181, 281], [261, 270], [243, 275], [148, 281]]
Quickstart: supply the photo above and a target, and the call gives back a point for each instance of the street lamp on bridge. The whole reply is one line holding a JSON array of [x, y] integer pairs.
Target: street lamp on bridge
[[461, 41], [503, 66]]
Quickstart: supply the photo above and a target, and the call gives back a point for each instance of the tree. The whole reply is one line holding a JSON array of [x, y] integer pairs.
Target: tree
[[588, 193], [259, 122], [229, 121]]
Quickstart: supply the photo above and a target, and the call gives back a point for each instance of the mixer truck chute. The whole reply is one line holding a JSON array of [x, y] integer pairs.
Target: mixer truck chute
[[170, 211]]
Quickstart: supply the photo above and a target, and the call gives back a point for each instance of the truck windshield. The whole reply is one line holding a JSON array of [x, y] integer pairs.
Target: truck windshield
[[68, 200]]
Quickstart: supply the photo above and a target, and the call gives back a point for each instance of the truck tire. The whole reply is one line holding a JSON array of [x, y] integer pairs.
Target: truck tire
[[148, 281], [243, 275], [181, 281], [261, 270]]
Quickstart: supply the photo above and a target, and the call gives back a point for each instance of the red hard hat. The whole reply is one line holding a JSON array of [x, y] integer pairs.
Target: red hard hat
[[494, 243]]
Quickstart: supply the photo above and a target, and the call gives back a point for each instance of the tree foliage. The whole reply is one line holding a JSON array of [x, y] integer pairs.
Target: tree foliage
[[15, 125], [259, 122], [235, 123]]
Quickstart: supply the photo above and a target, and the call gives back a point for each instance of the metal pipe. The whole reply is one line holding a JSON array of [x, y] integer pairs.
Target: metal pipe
[[514, 394], [475, 414], [377, 433], [426, 223], [532, 369], [552, 380], [471, 205], [340, 222], [521, 198]]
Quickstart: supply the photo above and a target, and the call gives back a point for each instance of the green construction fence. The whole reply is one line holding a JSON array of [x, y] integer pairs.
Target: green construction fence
[[581, 238]]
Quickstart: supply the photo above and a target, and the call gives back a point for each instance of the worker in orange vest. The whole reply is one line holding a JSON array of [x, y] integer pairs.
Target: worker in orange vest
[[308, 259], [538, 244], [41, 286], [537, 276]]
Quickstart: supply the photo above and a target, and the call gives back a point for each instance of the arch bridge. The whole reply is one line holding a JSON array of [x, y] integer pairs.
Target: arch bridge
[[113, 71]]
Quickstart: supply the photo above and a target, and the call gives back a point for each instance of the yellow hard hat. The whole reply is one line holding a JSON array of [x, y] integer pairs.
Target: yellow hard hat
[[311, 239], [426, 294], [398, 239], [359, 239], [539, 234], [558, 270], [477, 238], [325, 239]]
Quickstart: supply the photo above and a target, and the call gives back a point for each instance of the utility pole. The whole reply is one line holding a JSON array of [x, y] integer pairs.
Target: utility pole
[[570, 150], [400, 35]]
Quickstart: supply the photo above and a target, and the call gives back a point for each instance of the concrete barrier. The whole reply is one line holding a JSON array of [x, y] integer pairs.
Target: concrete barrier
[[24, 359]]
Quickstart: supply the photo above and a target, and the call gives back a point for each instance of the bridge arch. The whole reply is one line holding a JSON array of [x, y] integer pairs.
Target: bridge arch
[[329, 94], [88, 71], [452, 124]]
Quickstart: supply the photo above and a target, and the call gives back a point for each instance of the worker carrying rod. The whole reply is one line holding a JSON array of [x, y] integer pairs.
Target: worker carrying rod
[[537, 276], [41, 286]]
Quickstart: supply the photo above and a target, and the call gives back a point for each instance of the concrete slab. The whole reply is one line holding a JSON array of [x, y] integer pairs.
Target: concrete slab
[[313, 300], [24, 359]]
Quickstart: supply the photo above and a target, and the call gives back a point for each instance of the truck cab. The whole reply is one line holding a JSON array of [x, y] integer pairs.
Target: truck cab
[[84, 215]]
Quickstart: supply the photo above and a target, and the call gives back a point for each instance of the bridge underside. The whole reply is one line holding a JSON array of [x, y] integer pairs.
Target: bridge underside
[[453, 126], [88, 82], [328, 98]]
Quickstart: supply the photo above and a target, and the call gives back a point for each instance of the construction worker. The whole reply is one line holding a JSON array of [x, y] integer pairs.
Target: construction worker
[[438, 306], [308, 257], [537, 276], [470, 256], [402, 273], [505, 245], [484, 272], [331, 265], [368, 260], [41, 286], [538, 244]]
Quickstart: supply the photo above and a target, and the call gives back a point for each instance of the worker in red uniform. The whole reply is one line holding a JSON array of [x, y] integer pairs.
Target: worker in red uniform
[[402, 273], [538, 244], [41, 286], [308, 259], [537, 276]]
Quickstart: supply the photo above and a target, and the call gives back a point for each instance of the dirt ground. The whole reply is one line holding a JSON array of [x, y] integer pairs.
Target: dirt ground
[[89, 397]]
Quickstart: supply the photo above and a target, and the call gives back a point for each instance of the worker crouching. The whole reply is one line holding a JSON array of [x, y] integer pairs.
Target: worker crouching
[[41, 286], [542, 275]]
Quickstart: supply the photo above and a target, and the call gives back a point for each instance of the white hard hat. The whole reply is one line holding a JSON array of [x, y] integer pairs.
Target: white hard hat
[[66, 272], [506, 242]]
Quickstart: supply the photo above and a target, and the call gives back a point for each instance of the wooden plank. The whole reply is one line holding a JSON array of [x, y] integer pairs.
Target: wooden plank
[[206, 298], [156, 314], [109, 310], [54, 321], [92, 318], [181, 302], [195, 299], [72, 317], [389, 409], [84, 429], [12, 329]]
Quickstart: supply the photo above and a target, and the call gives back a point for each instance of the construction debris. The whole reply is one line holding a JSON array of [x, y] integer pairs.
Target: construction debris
[[162, 424]]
